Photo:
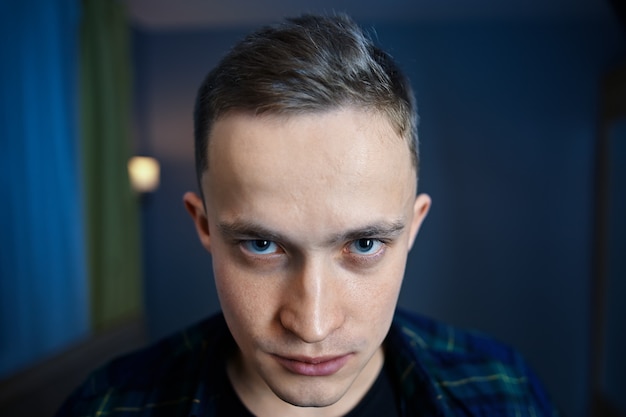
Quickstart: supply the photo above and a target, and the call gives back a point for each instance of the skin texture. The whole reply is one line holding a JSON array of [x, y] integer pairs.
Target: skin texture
[[309, 220]]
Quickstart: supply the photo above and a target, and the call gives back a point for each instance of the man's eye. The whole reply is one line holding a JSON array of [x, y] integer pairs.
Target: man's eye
[[365, 246], [260, 247]]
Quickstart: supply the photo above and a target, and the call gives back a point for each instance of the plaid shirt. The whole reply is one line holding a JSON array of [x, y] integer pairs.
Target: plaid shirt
[[440, 370]]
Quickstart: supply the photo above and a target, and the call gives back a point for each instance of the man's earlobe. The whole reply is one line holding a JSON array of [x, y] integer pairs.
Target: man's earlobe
[[420, 210], [195, 207]]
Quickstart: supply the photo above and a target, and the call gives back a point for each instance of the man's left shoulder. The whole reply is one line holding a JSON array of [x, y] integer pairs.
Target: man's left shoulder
[[444, 340], [468, 367]]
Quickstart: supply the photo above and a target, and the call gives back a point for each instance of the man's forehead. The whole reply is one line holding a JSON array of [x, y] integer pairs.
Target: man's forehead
[[349, 151], [352, 131]]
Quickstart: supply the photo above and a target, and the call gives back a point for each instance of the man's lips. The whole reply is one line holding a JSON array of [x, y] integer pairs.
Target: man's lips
[[307, 366]]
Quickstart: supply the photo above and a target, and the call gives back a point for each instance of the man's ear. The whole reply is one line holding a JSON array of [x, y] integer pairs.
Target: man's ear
[[420, 210], [195, 207]]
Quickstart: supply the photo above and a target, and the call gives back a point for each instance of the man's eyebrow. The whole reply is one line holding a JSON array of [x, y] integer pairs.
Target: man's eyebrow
[[250, 230], [380, 230]]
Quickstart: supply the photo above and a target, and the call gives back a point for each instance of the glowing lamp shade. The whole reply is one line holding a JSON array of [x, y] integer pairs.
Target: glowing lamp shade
[[144, 173]]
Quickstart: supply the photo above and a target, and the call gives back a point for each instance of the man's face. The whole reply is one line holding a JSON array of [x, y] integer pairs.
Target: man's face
[[309, 219]]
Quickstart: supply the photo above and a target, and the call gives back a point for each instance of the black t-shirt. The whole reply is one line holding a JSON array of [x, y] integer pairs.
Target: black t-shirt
[[379, 401]]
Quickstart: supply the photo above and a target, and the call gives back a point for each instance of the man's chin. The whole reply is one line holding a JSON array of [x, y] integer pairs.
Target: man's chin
[[310, 398], [310, 404]]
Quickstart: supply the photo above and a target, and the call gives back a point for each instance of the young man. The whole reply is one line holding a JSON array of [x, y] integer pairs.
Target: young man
[[306, 155]]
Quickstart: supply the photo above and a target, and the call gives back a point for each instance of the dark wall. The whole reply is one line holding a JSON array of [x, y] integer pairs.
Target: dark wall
[[169, 67], [508, 118], [615, 361], [508, 123]]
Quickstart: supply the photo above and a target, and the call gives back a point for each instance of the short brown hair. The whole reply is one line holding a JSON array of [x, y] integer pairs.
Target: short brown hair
[[305, 64]]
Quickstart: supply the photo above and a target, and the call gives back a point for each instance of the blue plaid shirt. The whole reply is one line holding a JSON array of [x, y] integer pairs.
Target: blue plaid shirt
[[441, 371]]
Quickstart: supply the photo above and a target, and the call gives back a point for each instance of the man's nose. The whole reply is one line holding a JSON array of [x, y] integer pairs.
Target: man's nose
[[312, 307]]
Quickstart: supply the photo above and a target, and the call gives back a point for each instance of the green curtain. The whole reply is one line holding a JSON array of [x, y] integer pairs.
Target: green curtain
[[112, 208]]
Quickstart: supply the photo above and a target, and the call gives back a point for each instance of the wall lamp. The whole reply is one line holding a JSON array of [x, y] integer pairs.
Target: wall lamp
[[144, 173]]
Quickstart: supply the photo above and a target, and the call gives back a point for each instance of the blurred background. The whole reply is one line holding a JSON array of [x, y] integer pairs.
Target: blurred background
[[523, 141]]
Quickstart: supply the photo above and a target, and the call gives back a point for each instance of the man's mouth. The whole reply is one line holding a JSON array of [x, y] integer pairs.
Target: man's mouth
[[313, 366]]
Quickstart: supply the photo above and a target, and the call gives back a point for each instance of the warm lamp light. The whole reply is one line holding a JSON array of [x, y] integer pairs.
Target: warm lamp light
[[144, 173]]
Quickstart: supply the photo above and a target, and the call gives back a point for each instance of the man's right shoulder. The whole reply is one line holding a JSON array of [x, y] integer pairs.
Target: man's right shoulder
[[164, 374]]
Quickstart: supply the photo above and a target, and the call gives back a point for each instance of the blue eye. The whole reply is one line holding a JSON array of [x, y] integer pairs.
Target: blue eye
[[260, 246], [365, 246]]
